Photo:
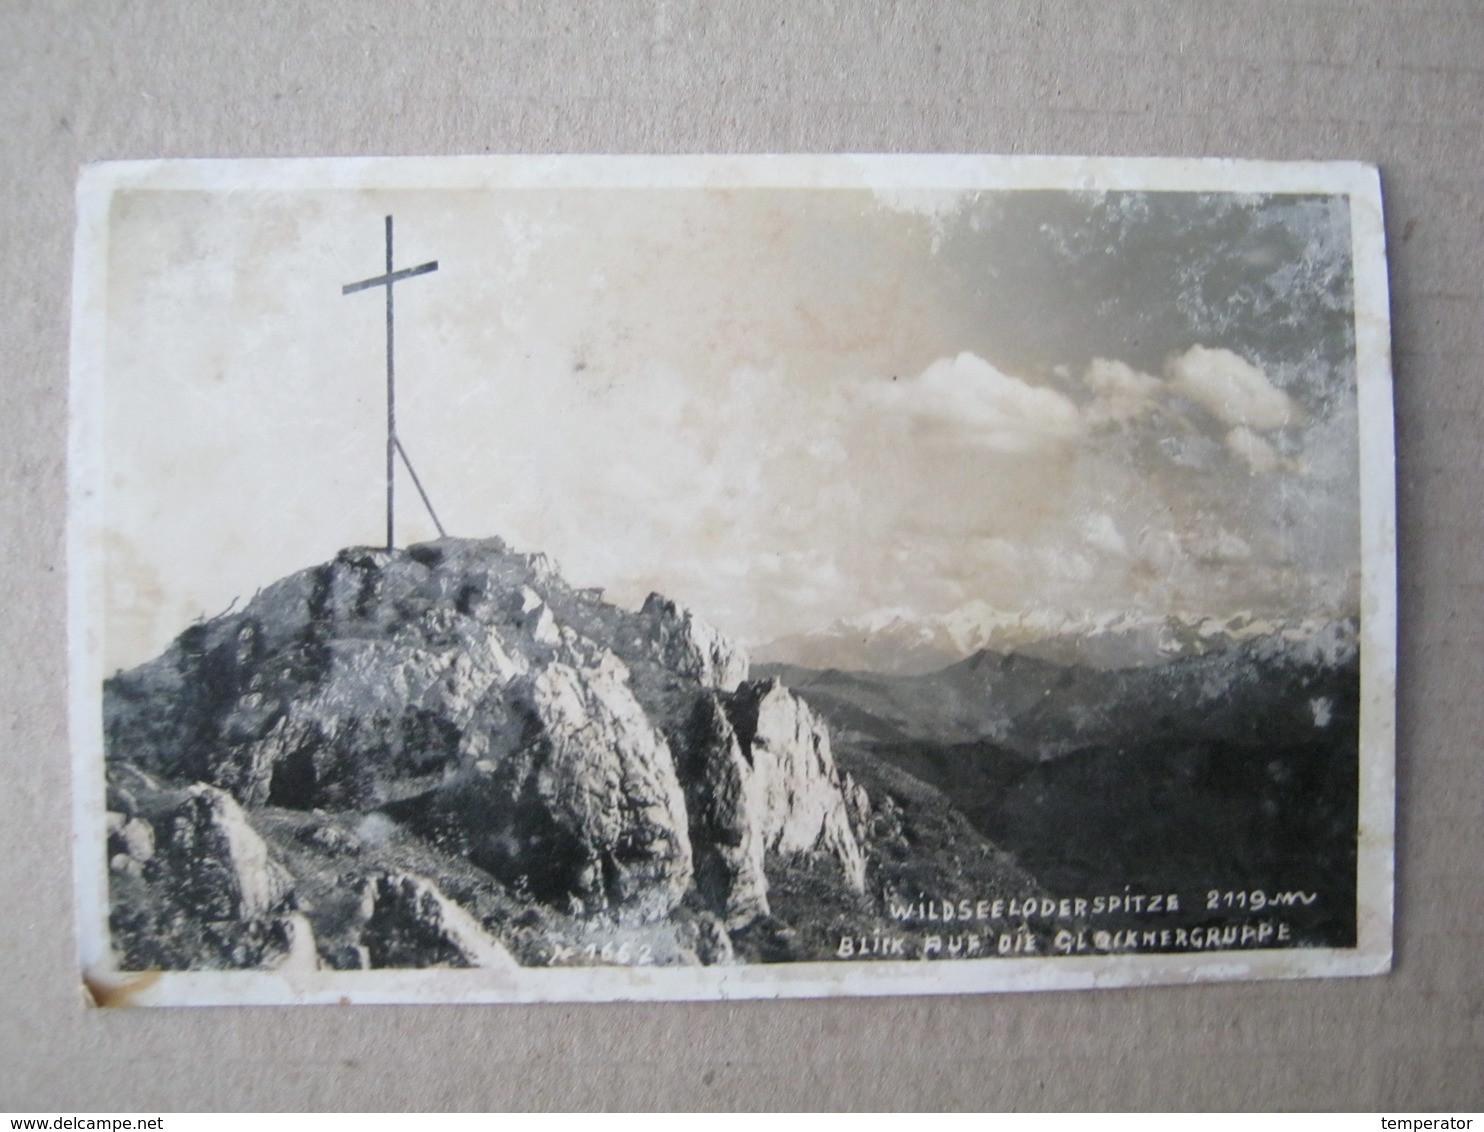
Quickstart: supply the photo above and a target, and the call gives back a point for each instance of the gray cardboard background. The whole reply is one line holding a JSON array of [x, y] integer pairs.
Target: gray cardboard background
[[1399, 84]]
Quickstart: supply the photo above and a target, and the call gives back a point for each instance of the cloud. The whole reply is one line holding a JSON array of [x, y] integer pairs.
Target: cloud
[[1218, 547], [1120, 392], [1257, 452], [1161, 550], [1101, 533], [967, 399], [937, 204], [1231, 388]]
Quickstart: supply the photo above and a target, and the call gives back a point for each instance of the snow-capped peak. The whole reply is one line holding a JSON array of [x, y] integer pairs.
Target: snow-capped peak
[[898, 639]]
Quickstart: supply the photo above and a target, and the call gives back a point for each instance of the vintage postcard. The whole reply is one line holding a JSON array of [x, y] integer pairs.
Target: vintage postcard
[[579, 578]]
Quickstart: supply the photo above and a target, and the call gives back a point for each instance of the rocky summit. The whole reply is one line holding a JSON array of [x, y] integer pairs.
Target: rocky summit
[[446, 755]]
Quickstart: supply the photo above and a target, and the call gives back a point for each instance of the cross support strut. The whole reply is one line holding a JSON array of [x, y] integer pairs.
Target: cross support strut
[[393, 445]]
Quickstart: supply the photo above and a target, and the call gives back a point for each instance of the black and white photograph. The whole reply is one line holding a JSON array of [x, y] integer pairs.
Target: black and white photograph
[[541, 579]]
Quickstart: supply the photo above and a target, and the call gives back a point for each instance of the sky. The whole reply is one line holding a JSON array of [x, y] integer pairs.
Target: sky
[[781, 407]]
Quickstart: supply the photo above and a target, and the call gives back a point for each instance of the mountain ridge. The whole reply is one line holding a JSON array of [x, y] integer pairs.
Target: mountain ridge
[[901, 642], [460, 727], [1041, 709], [1236, 769]]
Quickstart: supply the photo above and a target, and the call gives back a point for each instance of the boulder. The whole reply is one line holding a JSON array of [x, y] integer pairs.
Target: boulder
[[218, 867], [294, 951], [193, 886], [132, 837], [529, 611], [711, 944], [408, 922], [857, 804]]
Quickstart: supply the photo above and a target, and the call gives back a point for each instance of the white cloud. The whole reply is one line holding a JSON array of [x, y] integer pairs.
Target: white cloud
[[1219, 547], [967, 399], [1160, 549], [1257, 452], [1231, 388], [937, 204], [1101, 533], [995, 551], [1061, 565], [1120, 392]]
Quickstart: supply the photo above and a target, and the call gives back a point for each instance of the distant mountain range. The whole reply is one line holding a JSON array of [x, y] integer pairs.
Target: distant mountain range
[[1255, 692], [900, 642], [1233, 769]]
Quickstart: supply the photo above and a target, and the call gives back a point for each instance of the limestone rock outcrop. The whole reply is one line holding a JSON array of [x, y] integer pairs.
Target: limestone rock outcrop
[[802, 795], [761, 778], [573, 795], [722, 798], [594, 760], [690, 646]]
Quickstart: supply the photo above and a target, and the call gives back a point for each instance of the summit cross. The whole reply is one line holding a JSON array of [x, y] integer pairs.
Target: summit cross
[[393, 444]]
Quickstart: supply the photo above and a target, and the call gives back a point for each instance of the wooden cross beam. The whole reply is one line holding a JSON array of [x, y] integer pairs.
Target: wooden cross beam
[[393, 445]]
